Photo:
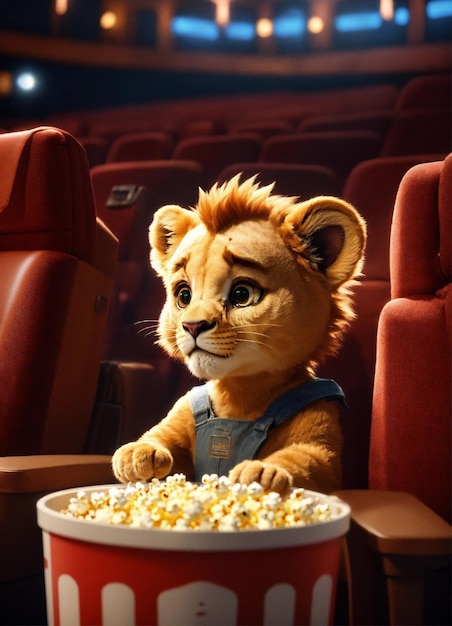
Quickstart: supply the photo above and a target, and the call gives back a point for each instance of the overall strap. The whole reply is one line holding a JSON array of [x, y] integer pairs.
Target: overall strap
[[200, 403], [285, 406], [297, 399]]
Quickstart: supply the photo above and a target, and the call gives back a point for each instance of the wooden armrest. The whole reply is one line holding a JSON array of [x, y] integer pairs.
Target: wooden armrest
[[394, 540], [398, 523], [40, 473], [24, 479]]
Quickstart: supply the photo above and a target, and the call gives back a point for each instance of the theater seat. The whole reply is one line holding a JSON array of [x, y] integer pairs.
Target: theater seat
[[375, 121], [57, 264], [372, 188], [290, 179], [338, 150], [419, 131], [401, 525], [427, 91], [144, 146], [126, 196], [216, 152]]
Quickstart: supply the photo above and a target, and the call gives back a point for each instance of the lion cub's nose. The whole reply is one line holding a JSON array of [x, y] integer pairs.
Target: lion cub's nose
[[196, 328]]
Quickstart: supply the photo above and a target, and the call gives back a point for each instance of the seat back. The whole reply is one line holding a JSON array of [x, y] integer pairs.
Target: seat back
[[138, 293], [375, 121], [263, 128], [372, 188], [57, 265], [160, 182], [338, 150], [144, 146], [96, 149], [214, 153], [290, 179], [411, 422], [428, 91], [419, 131]]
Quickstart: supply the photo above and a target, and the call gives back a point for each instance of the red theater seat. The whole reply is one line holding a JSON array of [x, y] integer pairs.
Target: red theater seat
[[338, 150], [126, 196], [412, 400], [216, 152], [57, 264], [144, 146], [374, 121], [263, 128], [401, 525], [303, 181], [372, 188], [96, 149], [419, 131], [428, 91], [141, 188]]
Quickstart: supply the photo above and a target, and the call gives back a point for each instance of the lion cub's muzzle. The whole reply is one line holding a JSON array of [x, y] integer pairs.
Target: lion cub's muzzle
[[196, 328]]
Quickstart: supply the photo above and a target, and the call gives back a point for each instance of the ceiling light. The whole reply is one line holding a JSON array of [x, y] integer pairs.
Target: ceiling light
[[61, 7], [315, 25], [26, 81], [108, 20], [387, 9], [264, 27], [223, 12]]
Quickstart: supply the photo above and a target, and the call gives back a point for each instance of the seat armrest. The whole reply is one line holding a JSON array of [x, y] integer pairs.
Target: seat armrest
[[23, 480], [398, 523], [41, 473], [395, 542]]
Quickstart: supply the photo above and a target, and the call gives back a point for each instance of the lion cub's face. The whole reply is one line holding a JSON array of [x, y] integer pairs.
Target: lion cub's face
[[240, 298], [238, 304]]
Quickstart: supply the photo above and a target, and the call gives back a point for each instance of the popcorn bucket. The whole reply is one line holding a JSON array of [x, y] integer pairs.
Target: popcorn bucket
[[114, 575]]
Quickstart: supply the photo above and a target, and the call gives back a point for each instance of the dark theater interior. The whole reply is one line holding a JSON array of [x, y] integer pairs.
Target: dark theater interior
[[110, 109]]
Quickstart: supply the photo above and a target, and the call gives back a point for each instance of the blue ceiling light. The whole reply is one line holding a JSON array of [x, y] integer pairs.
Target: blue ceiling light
[[242, 31], [402, 16], [438, 9], [289, 24], [26, 82], [351, 22], [194, 27]]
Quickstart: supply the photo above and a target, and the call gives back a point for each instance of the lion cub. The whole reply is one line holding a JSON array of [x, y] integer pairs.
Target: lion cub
[[257, 293]]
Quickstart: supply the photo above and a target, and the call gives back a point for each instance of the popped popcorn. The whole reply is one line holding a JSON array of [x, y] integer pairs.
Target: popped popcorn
[[214, 504]]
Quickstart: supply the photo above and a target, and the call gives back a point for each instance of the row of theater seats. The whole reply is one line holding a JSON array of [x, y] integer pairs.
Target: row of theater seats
[[339, 143], [264, 112], [60, 267], [404, 120]]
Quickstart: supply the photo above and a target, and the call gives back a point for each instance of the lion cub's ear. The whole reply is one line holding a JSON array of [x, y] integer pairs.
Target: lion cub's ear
[[169, 226], [329, 234]]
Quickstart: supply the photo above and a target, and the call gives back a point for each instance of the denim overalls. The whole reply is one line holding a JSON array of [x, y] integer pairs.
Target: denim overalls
[[222, 443]]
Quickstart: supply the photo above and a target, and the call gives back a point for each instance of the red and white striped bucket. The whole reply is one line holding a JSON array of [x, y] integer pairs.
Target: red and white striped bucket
[[99, 574]]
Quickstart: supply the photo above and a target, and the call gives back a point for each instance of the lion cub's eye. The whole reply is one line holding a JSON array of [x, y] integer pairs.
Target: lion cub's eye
[[244, 294], [183, 296]]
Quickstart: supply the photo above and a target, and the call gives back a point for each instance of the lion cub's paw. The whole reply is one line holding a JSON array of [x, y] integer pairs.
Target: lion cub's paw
[[141, 461], [271, 477]]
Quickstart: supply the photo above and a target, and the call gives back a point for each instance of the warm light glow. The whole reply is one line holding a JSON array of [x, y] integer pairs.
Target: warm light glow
[[6, 83], [264, 27], [108, 20], [223, 12], [315, 25], [61, 7], [387, 9]]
